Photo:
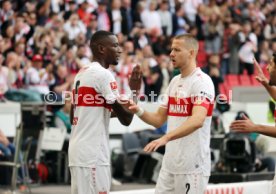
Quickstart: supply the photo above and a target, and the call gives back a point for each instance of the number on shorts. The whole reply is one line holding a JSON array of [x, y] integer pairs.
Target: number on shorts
[[188, 188]]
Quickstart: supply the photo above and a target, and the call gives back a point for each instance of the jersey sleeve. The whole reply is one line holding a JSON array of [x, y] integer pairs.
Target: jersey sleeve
[[107, 86], [164, 99], [203, 93]]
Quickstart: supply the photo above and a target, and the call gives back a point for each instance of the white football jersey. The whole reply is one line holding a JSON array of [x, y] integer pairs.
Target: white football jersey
[[189, 154], [94, 90]]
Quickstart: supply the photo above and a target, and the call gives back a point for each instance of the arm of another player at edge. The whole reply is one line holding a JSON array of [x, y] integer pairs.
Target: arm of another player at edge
[[271, 90], [265, 130], [193, 123]]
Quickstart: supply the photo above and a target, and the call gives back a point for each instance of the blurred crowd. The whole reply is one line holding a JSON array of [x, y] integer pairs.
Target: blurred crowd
[[43, 43]]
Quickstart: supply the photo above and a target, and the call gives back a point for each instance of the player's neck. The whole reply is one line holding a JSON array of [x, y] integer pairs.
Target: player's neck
[[101, 62], [187, 70]]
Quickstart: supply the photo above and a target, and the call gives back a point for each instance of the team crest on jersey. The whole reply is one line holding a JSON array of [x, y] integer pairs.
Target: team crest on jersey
[[113, 85]]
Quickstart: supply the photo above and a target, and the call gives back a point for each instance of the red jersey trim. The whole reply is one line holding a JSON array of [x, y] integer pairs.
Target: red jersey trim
[[89, 97], [183, 107], [275, 115]]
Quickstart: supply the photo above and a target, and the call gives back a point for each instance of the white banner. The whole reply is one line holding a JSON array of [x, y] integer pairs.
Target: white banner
[[258, 187], [53, 139]]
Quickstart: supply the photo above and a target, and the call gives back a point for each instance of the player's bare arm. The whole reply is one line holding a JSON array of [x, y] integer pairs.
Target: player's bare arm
[[247, 126], [124, 115], [193, 123], [264, 81], [156, 119]]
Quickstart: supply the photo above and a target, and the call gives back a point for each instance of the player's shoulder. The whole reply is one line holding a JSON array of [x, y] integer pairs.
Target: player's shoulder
[[94, 68], [201, 77], [175, 79]]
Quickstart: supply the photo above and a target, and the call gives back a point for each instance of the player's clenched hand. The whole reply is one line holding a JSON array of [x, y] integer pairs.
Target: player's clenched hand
[[135, 79], [260, 77], [245, 125], [154, 145]]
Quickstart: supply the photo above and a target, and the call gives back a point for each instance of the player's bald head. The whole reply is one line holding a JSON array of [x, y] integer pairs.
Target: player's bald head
[[190, 43]]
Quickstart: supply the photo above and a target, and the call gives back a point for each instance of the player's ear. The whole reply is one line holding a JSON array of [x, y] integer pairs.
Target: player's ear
[[192, 52], [101, 48]]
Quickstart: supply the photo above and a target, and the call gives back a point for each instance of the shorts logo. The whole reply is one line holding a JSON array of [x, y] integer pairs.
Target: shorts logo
[[113, 85]]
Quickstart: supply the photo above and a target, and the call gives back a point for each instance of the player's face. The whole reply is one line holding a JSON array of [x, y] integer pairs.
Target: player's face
[[113, 51], [179, 54], [271, 68]]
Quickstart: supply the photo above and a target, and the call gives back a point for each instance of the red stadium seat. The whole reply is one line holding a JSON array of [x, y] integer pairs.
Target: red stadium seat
[[244, 80], [201, 59], [253, 80], [201, 46], [224, 90], [232, 80]]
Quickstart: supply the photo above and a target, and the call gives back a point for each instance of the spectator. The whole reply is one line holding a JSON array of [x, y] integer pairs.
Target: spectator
[[127, 17], [214, 71], [200, 20], [213, 29], [139, 9], [62, 81], [62, 117], [104, 22], [166, 18], [4, 79], [139, 36], [83, 13], [69, 61], [270, 29], [152, 25], [115, 17], [6, 12], [37, 77], [180, 25], [6, 147], [74, 26], [247, 49], [190, 8], [92, 26], [43, 10], [72, 9], [152, 76], [234, 45]]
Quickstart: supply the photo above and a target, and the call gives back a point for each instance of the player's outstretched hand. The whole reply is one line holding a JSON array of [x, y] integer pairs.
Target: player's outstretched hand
[[245, 125], [154, 145], [260, 77], [135, 79]]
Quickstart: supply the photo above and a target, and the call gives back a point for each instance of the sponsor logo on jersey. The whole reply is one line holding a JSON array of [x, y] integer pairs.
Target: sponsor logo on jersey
[[206, 94], [113, 85], [175, 108]]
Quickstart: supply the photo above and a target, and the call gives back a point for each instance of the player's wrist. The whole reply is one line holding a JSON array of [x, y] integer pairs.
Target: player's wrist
[[140, 112], [256, 129], [167, 137]]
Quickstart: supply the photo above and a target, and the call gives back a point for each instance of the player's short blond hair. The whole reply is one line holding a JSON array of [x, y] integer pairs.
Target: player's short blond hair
[[190, 42]]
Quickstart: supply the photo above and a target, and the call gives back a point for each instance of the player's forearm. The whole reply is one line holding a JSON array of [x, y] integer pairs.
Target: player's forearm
[[152, 119], [271, 90], [71, 114], [188, 127], [266, 130], [125, 117]]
